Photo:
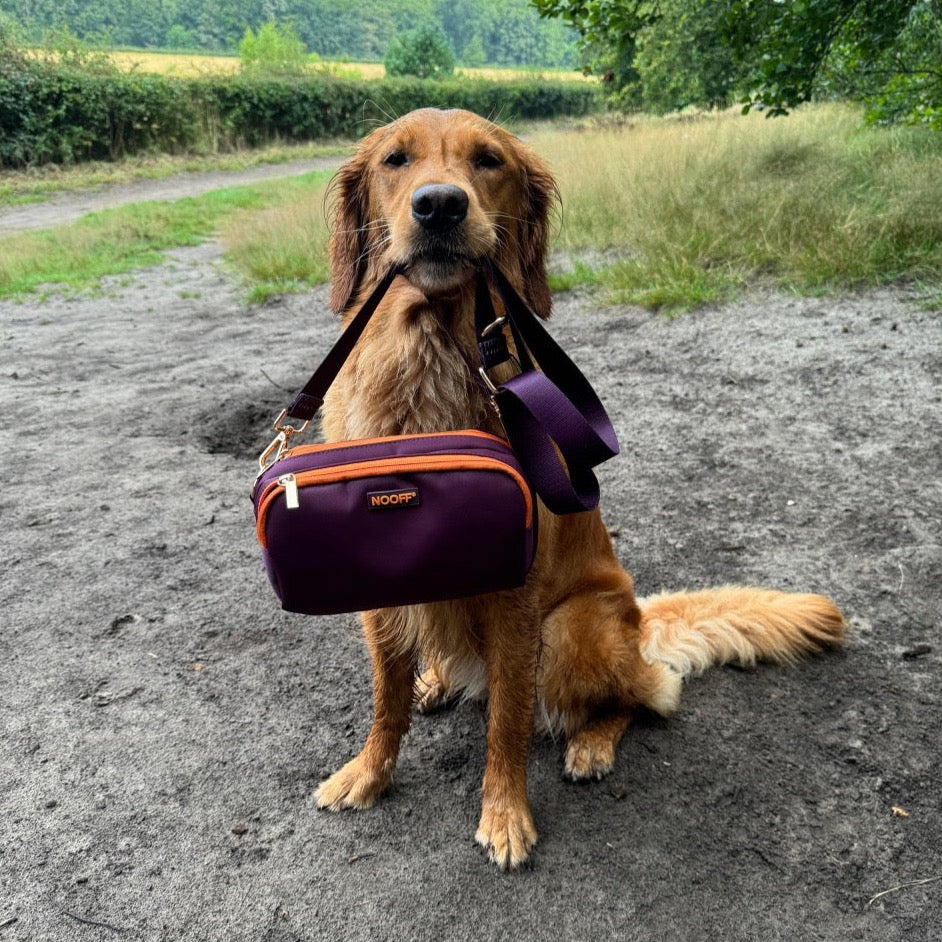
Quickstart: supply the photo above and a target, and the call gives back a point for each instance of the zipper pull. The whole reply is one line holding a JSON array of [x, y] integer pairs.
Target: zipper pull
[[290, 484]]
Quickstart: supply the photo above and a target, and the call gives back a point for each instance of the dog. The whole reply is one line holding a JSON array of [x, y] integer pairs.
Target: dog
[[572, 649]]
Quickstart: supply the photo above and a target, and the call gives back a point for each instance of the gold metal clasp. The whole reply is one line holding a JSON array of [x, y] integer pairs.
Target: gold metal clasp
[[279, 425], [273, 451], [279, 444]]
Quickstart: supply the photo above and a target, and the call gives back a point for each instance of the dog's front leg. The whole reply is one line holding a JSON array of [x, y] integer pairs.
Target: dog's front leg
[[360, 781], [506, 829]]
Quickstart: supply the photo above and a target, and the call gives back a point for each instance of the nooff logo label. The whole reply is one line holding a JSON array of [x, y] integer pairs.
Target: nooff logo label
[[393, 500]]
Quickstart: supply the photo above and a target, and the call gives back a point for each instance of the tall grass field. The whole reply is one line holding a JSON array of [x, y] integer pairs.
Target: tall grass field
[[674, 213], [688, 212], [666, 213]]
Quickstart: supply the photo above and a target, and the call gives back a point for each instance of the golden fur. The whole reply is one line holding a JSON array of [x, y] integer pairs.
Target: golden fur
[[572, 648]]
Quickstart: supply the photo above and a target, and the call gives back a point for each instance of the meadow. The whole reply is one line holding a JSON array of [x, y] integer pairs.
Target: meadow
[[686, 211], [678, 212], [667, 213], [194, 65], [116, 241]]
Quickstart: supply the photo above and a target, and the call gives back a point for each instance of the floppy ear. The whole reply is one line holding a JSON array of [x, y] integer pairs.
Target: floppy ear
[[348, 245], [541, 196]]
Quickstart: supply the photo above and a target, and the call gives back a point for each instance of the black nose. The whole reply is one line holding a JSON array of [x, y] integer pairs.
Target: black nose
[[439, 207]]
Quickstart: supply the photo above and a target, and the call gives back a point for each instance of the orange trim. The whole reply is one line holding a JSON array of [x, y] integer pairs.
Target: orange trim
[[268, 489], [356, 442], [359, 469]]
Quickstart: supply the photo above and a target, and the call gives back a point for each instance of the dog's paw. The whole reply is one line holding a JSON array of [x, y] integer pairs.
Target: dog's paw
[[507, 834], [430, 692], [589, 757], [353, 786]]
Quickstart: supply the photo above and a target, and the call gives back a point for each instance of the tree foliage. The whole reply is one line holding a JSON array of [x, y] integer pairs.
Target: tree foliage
[[785, 47], [664, 54], [494, 32], [681, 61], [424, 53], [608, 30], [275, 49], [900, 77]]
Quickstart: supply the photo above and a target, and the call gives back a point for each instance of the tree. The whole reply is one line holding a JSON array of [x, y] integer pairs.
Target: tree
[[776, 54], [512, 38], [506, 31], [465, 21], [473, 54], [425, 52], [179, 37], [786, 47], [901, 83], [608, 31], [275, 49], [681, 60]]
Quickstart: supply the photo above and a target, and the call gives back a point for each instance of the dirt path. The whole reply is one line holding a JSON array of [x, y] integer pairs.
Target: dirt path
[[70, 205], [164, 724]]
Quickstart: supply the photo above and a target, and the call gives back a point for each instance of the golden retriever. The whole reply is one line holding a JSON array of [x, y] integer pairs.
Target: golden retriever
[[434, 191]]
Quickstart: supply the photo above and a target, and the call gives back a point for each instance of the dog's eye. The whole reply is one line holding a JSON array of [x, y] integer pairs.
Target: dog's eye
[[488, 160], [398, 158]]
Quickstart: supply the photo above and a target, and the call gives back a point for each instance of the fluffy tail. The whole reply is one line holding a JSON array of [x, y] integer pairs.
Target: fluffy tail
[[691, 631]]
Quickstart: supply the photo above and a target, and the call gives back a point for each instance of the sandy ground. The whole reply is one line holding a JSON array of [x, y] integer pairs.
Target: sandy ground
[[164, 723]]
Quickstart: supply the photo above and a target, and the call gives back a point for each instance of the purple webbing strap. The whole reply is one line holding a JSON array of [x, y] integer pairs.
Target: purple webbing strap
[[541, 421]]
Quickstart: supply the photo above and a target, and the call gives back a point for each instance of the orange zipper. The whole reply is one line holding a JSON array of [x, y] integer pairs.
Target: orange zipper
[[355, 443], [358, 469]]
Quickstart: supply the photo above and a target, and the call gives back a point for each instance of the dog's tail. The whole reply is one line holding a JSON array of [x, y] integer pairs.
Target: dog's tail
[[691, 631]]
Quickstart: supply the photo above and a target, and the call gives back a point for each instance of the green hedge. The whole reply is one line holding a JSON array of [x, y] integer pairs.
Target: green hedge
[[61, 115], [56, 114]]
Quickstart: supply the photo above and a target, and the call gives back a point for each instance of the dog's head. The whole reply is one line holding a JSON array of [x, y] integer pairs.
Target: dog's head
[[434, 191]]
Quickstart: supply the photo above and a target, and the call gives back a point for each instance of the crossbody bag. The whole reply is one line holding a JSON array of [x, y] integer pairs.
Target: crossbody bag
[[408, 519]]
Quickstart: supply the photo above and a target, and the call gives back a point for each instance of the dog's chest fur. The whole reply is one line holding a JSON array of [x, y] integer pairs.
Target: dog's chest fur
[[410, 378]]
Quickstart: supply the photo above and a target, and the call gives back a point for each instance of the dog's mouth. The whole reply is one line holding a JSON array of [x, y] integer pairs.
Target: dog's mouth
[[438, 265]]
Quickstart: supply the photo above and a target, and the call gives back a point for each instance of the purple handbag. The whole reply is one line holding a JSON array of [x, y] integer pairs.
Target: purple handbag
[[395, 521], [409, 519]]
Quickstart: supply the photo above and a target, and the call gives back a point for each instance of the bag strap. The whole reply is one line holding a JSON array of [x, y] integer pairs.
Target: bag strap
[[305, 404], [543, 423], [311, 397]]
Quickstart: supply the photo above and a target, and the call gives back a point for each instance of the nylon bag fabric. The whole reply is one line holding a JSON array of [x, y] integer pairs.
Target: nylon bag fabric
[[394, 521]]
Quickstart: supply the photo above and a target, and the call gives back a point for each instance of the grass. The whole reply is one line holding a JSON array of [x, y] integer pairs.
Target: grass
[[120, 240], [667, 213], [37, 184], [281, 249], [695, 209]]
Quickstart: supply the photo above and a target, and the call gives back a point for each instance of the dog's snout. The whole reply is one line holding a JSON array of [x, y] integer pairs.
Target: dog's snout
[[439, 207]]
